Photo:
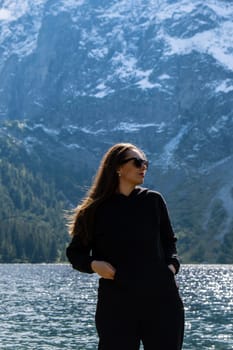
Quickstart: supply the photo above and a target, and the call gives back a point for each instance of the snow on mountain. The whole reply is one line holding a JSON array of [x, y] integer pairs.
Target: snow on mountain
[[132, 127], [208, 42], [20, 23], [225, 86], [182, 26], [167, 157]]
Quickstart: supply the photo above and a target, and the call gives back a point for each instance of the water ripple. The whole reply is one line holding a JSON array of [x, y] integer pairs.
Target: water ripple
[[48, 307]]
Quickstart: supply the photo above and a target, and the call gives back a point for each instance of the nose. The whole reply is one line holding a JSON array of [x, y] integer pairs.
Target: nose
[[144, 166]]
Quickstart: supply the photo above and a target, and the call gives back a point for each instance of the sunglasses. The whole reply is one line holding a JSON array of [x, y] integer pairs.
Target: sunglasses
[[137, 162]]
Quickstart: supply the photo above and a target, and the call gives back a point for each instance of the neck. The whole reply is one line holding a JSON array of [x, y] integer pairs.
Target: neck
[[125, 189]]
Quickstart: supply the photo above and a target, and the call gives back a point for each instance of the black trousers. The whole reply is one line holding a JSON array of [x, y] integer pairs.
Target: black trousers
[[125, 317]]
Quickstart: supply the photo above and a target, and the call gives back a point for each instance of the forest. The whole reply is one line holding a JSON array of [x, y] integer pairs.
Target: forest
[[32, 214]]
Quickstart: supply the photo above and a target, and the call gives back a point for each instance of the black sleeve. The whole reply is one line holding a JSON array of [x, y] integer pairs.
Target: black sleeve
[[79, 255], [168, 238]]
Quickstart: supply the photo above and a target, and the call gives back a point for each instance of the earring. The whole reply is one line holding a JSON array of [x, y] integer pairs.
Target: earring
[[119, 174]]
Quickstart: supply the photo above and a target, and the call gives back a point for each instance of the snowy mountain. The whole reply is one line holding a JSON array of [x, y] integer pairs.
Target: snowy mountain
[[78, 76]]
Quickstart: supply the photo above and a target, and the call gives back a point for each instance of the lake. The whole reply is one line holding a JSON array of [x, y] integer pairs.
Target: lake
[[52, 306]]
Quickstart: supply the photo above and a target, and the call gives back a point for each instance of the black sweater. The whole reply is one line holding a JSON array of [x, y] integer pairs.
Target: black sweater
[[133, 233]]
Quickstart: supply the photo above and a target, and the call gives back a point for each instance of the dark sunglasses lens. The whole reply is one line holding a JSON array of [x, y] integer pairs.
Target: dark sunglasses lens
[[140, 162]]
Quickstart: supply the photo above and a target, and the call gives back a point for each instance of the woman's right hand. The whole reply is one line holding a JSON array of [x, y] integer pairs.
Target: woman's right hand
[[103, 269]]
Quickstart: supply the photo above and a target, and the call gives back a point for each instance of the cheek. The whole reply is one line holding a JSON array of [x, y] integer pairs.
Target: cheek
[[130, 176], [128, 173]]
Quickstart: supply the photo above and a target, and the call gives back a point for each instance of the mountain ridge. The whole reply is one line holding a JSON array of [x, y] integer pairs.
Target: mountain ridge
[[77, 77]]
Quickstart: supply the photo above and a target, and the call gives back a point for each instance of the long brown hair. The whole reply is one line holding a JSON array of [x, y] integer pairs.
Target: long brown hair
[[104, 185]]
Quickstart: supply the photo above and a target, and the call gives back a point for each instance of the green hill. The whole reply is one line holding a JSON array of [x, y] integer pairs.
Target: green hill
[[32, 226]]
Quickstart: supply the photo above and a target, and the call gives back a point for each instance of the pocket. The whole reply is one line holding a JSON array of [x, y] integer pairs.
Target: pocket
[[172, 273], [120, 278], [116, 275], [173, 278]]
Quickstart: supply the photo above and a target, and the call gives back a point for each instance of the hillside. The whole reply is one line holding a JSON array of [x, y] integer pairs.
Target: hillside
[[32, 211]]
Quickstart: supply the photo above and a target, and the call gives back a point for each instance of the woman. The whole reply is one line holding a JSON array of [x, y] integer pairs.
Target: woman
[[122, 232]]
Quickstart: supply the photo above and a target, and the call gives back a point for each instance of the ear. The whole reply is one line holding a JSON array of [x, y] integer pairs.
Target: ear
[[118, 171]]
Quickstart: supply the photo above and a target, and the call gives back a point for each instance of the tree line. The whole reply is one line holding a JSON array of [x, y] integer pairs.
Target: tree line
[[32, 223]]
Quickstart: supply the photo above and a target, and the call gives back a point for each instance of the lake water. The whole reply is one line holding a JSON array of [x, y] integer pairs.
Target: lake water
[[48, 307]]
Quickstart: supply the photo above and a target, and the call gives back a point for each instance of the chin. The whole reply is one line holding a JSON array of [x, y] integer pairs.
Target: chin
[[140, 182]]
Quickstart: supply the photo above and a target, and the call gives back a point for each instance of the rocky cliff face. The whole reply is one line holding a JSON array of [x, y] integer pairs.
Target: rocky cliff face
[[78, 76]]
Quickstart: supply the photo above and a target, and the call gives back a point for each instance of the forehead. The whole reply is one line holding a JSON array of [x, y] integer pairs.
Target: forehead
[[135, 153]]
